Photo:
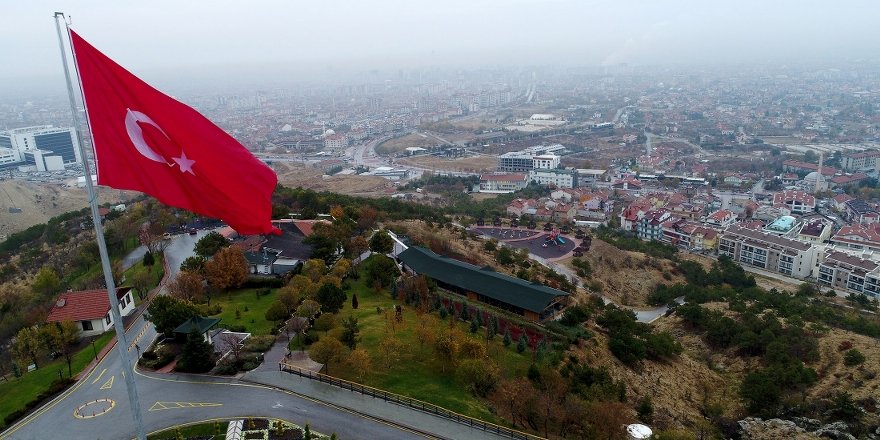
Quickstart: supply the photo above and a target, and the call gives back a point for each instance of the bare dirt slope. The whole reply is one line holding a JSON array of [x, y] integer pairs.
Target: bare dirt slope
[[678, 389], [295, 175], [627, 277], [40, 202]]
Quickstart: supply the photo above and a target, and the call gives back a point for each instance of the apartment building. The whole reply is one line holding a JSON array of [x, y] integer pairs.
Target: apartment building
[[766, 251], [851, 273]]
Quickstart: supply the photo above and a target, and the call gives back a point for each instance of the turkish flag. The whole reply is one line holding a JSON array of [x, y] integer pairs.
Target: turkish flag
[[147, 141]]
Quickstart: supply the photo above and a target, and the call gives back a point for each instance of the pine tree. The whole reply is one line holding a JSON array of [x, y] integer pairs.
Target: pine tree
[[307, 433], [464, 316], [474, 326], [479, 318], [522, 344], [354, 301], [197, 356], [507, 340]]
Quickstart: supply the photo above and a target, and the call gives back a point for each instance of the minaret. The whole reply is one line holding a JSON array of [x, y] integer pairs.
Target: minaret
[[819, 178]]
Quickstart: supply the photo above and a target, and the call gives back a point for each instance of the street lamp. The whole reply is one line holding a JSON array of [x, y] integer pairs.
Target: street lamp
[[94, 350]]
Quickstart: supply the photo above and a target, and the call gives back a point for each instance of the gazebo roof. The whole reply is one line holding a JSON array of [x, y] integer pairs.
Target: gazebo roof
[[200, 323]]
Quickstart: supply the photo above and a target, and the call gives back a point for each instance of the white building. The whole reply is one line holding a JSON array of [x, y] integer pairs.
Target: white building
[[40, 148], [850, 273], [90, 309], [335, 141], [559, 178], [767, 251], [503, 183]]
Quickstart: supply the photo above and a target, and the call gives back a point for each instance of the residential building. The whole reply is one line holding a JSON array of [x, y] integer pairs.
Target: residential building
[[840, 200], [335, 141], [783, 226], [650, 226], [857, 211], [533, 301], [798, 202], [766, 251], [865, 160], [503, 183], [858, 236], [721, 219], [815, 229], [90, 309], [850, 273]]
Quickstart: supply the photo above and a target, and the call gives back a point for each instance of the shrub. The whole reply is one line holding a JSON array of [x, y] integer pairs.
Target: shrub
[[325, 322], [853, 357], [259, 344]]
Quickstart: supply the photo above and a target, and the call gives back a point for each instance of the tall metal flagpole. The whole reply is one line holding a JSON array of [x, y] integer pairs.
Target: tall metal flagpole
[[121, 342]]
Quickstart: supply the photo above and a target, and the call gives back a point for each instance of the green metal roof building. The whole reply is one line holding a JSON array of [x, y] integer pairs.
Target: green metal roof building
[[534, 301]]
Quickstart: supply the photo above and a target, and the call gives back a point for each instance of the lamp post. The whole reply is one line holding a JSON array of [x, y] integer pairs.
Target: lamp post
[[94, 350]]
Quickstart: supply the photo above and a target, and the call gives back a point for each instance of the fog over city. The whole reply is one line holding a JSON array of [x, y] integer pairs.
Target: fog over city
[[228, 42]]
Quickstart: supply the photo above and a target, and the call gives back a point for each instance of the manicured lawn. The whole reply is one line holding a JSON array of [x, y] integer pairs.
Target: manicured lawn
[[252, 310], [201, 429], [418, 374], [18, 392]]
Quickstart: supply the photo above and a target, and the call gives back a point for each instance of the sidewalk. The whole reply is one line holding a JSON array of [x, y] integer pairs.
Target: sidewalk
[[368, 406]]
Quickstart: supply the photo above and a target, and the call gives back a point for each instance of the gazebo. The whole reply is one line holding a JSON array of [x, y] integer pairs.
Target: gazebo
[[200, 323]]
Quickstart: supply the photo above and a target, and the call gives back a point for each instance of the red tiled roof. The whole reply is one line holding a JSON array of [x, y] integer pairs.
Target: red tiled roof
[[83, 305], [842, 180]]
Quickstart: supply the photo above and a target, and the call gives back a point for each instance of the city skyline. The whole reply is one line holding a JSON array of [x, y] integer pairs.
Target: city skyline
[[224, 44]]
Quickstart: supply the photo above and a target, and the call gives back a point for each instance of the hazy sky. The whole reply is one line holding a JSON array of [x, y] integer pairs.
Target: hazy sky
[[195, 41]]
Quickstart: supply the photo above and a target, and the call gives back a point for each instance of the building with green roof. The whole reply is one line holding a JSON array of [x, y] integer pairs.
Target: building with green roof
[[534, 301]]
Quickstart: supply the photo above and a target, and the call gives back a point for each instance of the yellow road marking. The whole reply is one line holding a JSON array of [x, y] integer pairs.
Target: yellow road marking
[[109, 384], [159, 406], [99, 376]]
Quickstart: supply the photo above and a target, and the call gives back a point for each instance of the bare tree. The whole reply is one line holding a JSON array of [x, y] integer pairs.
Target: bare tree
[[234, 344]]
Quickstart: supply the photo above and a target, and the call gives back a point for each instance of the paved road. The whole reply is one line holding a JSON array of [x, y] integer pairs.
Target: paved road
[[170, 399], [167, 400]]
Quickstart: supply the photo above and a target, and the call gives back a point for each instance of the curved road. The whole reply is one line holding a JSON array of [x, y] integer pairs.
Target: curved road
[[167, 400]]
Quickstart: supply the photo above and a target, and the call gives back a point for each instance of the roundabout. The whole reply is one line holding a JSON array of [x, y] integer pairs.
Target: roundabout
[[95, 408]]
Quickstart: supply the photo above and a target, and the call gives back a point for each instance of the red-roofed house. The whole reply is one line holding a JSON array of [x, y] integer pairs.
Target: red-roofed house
[[721, 218], [840, 201], [90, 309], [798, 202], [858, 236]]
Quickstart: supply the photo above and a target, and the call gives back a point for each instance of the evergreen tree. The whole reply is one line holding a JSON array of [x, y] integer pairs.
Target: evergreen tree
[[465, 316], [645, 410], [354, 301], [507, 340], [522, 343], [350, 330], [307, 432], [197, 356], [148, 259], [474, 326]]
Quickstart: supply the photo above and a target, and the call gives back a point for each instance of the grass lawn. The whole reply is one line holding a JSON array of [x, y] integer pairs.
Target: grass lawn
[[200, 429], [252, 310], [18, 392], [418, 374], [157, 271]]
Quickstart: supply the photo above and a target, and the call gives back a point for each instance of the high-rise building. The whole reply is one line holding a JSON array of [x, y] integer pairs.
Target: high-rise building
[[46, 148]]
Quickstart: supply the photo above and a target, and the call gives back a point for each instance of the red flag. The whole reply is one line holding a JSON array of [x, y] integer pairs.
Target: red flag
[[146, 141]]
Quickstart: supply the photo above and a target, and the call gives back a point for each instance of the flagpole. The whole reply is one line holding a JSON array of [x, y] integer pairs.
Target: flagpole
[[121, 342]]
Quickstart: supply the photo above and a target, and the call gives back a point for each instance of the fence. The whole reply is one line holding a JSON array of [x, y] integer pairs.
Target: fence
[[409, 402]]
